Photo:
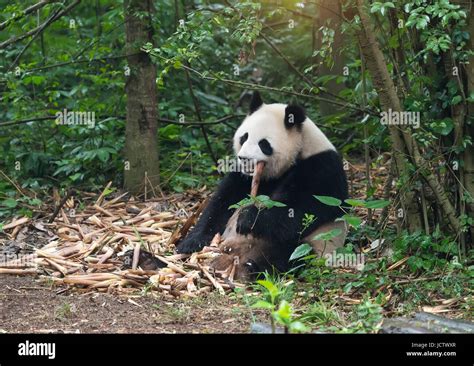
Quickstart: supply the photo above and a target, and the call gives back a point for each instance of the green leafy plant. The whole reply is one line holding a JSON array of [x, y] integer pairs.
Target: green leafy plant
[[369, 317], [261, 201], [301, 251], [381, 7], [279, 308], [426, 252], [350, 219]]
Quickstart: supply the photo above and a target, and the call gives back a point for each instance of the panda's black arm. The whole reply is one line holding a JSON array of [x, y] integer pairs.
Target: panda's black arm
[[233, 188]]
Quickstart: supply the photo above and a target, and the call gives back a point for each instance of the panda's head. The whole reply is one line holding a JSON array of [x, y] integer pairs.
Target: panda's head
[[276, 134]]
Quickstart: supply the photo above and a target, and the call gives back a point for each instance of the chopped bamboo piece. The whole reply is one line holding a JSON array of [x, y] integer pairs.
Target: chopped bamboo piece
[[102, 195], [216, 284], [103, 211], [87, 251], [14, 271], [136, 255], [16, 223]]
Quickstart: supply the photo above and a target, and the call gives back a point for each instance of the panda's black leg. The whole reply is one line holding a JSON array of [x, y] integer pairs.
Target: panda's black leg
[[232, 189]]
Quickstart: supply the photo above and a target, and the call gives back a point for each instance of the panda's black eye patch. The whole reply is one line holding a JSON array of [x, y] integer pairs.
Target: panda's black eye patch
[[265, 147], [244, 138]]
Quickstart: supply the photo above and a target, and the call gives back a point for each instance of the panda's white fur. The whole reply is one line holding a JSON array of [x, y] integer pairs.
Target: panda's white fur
[[288, 145]]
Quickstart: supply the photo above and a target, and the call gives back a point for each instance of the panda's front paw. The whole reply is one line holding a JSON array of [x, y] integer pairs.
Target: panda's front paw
[[247, 220], [191, 244]]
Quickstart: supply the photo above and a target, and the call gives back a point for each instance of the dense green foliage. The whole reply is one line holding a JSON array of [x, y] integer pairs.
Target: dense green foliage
[[78, 64], [224, 49]]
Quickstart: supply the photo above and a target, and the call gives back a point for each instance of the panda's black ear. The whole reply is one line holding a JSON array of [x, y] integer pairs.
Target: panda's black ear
[[294, 116], [256, 102]]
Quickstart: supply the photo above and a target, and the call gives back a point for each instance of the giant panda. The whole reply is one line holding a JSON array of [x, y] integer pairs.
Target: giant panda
[[300, 162]]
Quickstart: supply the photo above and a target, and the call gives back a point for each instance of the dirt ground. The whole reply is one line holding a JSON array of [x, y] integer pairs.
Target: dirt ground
[[30, 306]]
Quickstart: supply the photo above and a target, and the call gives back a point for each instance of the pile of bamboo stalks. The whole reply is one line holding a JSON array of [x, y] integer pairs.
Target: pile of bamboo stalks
[[88, 250]]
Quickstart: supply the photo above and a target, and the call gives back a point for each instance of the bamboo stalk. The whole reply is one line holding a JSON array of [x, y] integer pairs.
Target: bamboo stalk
[[172, 266], [256, 178], [109, 253], [214, 282], [64, 217], [136, 256], [20, 272], [103, 211], [113, 201], [57, 266], [102, 195], [16, 223], [105, 283], [165, 224]]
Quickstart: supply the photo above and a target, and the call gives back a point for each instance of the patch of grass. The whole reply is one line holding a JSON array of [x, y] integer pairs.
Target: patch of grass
[[181, 314], [322, 314], [64, 311], [348, 300], [367, 318], [178, 313]]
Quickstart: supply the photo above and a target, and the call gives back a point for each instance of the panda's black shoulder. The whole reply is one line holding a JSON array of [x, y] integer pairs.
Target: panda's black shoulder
[[325, 161], [322, 173]]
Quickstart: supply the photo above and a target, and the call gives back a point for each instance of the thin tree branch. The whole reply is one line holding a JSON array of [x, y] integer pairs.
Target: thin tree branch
[[26, 120], [321, 6], [93, 42], [106, 118], [288, 62], [40, 31], [246, 85], [112, 57], [40, 28], [200, 123], [197, 109], [294, 68], [25, 12]]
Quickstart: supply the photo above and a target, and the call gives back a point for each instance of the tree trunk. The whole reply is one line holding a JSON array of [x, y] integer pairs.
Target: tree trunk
[[141, 147], [331, 10], [385, 87], [402, 140], [468, 155]]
